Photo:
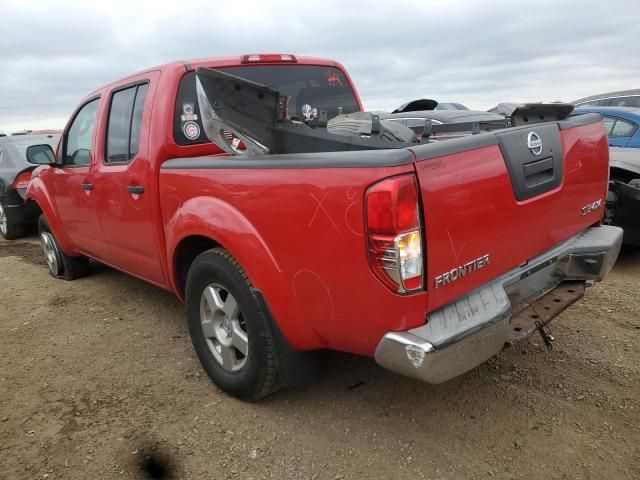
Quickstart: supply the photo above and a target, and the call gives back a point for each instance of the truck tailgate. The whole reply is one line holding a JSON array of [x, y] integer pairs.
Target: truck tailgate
[[495, 200]]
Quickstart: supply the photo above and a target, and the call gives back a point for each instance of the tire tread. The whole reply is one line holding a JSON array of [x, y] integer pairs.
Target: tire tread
[[269, 381]]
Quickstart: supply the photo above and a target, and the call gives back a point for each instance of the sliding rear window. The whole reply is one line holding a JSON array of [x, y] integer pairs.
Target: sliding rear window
[[312, 89]]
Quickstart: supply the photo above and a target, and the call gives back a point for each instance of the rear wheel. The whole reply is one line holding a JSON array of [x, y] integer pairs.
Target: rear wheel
[[8, 230], [60, 264], [228, 328]]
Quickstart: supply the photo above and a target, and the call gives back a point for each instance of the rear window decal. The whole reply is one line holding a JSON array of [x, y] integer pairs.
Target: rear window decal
[[191, 130], [333, 79], [187, 113], [309, 112]]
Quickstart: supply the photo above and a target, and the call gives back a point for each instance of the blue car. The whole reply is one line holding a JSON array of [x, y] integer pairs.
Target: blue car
[[622, 124]]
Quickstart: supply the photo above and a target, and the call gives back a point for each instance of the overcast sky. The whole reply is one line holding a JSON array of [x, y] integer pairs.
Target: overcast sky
[[52, 53]]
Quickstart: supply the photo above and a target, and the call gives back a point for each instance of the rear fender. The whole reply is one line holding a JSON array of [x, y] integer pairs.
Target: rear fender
[[221, 222]]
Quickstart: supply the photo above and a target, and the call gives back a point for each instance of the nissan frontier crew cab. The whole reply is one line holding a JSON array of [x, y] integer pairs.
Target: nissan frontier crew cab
[[290, 235]]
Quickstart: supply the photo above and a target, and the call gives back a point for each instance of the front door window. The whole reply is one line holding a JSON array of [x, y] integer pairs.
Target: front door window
[[77, 151]]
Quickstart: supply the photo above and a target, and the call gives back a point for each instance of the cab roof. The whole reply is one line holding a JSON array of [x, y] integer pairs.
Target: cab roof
[[213, 62]]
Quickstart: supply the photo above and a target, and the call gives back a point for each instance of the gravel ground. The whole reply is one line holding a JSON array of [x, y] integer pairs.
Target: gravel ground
[[98, 380]]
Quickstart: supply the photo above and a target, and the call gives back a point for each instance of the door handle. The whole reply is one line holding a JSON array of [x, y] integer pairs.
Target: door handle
[[135, 189], [87, 186]]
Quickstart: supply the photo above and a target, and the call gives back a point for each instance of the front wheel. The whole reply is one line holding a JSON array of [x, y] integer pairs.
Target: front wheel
[[228, 327], [60, 264]]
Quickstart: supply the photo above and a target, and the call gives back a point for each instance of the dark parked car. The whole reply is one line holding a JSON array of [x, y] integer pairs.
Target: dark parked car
[[622, 98], [15, 174], [621, 123], [623, 199]]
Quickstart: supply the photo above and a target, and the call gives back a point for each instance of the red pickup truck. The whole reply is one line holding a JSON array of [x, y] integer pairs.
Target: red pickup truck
[[429, 257]]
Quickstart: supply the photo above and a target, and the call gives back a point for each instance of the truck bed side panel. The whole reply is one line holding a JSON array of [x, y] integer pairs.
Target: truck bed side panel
[[315, 275]]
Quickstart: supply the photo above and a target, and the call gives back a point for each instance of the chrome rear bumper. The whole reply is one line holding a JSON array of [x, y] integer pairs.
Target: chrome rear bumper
[[472, 329]]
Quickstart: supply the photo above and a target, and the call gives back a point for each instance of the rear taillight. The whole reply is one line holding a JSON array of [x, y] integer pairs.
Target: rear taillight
[[22, 180], [394, 234], [268, 58]]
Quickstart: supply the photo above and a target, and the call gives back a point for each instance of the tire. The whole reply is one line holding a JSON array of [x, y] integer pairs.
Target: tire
[[60, 264], [228, 328], [10, 231]]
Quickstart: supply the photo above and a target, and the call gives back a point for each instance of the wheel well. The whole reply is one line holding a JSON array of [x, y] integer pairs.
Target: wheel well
[[186, 252], [33, 206]]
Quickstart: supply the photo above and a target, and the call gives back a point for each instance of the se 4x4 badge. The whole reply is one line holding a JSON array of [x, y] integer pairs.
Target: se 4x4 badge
[[587, 209]]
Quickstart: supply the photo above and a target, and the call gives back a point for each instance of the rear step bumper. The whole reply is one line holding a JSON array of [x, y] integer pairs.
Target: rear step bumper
[[469, 331]]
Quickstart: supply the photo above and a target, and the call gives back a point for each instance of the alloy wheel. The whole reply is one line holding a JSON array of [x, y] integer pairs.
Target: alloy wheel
[[223, 327], [3, 220], [50, 251]]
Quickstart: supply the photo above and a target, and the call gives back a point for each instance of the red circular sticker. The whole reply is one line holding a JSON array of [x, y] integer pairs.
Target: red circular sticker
[[191, 130]]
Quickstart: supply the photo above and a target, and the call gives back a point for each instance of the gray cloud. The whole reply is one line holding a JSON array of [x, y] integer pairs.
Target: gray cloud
[[478, 53]]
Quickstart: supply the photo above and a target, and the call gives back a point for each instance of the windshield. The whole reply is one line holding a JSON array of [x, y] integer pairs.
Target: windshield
[[312, 89]]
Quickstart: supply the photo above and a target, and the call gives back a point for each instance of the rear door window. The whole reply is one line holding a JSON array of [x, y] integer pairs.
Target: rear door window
[[608, 124], [136, 119], [123, 128]]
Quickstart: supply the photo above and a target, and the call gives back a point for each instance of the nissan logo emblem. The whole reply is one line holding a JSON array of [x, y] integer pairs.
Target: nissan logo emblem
[[534, 143]]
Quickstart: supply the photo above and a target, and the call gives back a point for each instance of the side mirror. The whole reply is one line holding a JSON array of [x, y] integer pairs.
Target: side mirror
[[41, 155]]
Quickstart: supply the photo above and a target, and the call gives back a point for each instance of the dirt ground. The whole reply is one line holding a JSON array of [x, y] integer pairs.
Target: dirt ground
[[98, 380]]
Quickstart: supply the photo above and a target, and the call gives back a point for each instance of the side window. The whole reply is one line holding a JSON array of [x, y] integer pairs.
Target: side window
[[620, 102], [622, 129], [631, 101], [136, 119], [608, 124], [77, 151], [123, 127]]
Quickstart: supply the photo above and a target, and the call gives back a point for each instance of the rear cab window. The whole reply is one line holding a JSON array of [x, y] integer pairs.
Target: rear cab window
[[311, 88]]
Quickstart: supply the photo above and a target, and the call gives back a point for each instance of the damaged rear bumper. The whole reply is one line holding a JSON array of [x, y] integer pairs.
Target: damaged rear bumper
[[469, 331]]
